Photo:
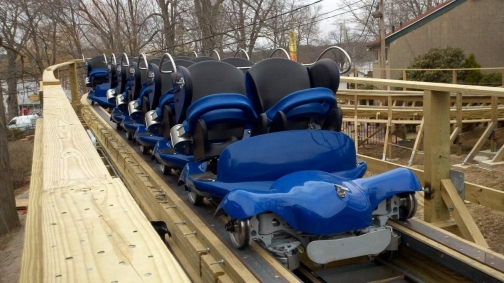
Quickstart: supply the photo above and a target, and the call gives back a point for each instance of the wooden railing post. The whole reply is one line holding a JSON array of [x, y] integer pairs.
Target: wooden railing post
[[74, 89], [356, 75], [404, 78], [454, 76], [437, 153]]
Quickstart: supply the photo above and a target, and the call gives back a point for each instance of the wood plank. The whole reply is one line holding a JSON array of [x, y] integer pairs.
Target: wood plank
[[479, 144], [417, 143], [31, 270], [499, 155], [461, 214], [444, 87], [436, 153], [479, 264], [83, 225]]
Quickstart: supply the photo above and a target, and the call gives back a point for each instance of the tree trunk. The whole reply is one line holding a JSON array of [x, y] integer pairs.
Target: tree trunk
[[12, 99], [8, 215]]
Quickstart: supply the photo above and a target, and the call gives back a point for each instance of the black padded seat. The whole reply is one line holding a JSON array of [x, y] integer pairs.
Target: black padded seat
[[203, 58], [96, 62], [273, 79], [204, 79]]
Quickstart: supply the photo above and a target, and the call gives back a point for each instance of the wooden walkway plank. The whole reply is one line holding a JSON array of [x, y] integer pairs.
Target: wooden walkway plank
[[83, 225]]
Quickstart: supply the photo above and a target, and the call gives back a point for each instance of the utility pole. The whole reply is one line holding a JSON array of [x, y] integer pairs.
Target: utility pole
[[382, 42], [378, 14]]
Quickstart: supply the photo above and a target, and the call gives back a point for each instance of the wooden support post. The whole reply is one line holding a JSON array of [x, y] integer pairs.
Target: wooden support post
[[387, 145], [458, 105], [436, 153], [495, 105], [355, 74], [499, 155], [74, 89], [417, 143], [404, 77], [461, 214], [479, 144], [454, 76]]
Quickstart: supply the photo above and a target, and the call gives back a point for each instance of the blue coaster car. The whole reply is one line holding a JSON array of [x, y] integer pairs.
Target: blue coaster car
[[158, 121], [124, 78], [98, 80], [302, 188]]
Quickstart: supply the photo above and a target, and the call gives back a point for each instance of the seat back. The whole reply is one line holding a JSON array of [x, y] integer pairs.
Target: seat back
[[269, 157], [112, 68], [96, 62], [272, 79]]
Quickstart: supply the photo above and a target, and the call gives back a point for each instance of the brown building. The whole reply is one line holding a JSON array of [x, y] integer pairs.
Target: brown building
[[475, 26]]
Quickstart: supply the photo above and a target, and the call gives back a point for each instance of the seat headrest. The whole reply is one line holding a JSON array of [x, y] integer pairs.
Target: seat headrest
[[325, 73]]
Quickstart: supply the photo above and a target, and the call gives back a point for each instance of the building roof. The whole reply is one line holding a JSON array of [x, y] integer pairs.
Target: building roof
[[419, 21]]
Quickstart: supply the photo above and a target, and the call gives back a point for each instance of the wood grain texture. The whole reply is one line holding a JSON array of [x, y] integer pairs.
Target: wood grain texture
[[31, 263], [83, 225]]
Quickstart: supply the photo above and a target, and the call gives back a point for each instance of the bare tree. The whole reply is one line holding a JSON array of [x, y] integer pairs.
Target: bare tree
[[8, 214]]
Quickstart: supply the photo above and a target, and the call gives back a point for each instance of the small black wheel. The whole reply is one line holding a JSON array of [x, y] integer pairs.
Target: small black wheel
[[164, 169], [240, 234], [129, 136], [118, 126], [194, 198], [408, 206], [144, 149]]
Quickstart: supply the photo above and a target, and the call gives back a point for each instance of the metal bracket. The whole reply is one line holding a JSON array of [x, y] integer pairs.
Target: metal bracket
[[458, 178]]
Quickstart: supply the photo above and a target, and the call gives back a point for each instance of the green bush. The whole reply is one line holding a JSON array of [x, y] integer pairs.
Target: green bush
[[472, 77], [492, 79], [436, 58]]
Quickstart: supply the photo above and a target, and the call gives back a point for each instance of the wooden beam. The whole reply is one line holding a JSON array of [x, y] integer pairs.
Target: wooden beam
[[459, 211], [494, 117], [74, 89], [499, 155], [479, 144], [436, 153], [417, 142], [387, 142], [454, 135], [31, 263], [442, 87]]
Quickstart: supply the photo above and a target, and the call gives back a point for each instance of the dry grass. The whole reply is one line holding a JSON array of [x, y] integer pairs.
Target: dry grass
[[20, 158]]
